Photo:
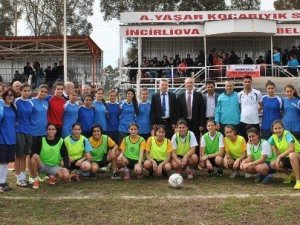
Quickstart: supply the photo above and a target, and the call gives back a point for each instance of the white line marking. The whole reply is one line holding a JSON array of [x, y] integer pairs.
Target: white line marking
[[145, 197]]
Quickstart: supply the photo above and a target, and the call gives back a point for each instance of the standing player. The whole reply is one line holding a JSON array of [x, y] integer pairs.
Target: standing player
[[70, 115], [143, 117], [7, 137], [113, 112], [24, 139], [100, 109], [86, 115], [56, 107]]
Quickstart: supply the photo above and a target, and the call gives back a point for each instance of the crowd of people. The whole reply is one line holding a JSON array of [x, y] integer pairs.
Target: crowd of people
[[216, 59], [67, 135]]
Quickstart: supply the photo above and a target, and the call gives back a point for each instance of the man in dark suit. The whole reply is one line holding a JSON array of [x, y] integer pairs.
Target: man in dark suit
[[191, 107], [163, 108]]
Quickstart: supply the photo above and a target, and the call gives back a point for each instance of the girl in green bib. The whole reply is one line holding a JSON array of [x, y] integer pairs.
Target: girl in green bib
[[235, 148], [158, 152], [287, 149], [259, 156], [105, 152], [212, 149], [184, 145], [132, 152], [47, 156], [77, 146]]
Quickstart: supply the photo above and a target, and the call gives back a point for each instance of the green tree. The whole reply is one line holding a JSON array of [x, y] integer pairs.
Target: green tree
[[45, 17], [111, 77], [245, 4], [6, 17], [205, 5], [286, 4], [112, 8]]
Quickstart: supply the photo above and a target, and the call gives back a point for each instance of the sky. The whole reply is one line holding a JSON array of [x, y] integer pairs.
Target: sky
[[106, 34]]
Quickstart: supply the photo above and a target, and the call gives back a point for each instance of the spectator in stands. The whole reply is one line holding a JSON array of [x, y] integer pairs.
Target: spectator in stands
[[27, 71], [132, 72], [250, 100], [200, 59], [233, 58], [211, 56], [39, 73], [55, 72], [182, 68], [48, 76], [225, 58], [190, 63], [293, 65], [165, 73], [268, 57], [177, 60], [17, 77], [60, 69], [260, 60], [276, 57], [248, 60], [285, 57]]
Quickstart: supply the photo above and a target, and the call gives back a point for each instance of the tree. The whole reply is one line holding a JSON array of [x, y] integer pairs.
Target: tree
[[6, 17], [111, 77], [112, 8], [286, 4], [205, 5], [45, 17], [245, 4]]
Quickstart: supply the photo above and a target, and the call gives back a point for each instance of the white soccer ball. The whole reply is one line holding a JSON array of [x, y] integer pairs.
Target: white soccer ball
[[176, 180]]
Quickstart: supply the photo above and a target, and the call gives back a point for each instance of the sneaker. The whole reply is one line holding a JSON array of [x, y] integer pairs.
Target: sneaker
[[190, 173], [297, 186], [85, 173], [30, 180], [259, 178], [5, 187], [290, 178], [115, 176], [210, 173], [51, 180], [219, 172], [248, 175], [42, 177], [127, 174], [267, 179], [36, 184], [22, 183], [233, 174]]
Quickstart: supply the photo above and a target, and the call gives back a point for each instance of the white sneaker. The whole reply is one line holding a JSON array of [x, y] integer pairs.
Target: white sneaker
[[248, 175], [233, 174], [22, 183]]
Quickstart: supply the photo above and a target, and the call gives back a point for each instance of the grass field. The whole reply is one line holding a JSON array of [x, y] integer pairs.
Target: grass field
[[202, 200]]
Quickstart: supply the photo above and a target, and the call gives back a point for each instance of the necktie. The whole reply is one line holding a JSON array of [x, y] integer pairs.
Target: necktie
[[163, 105], [189, 106]]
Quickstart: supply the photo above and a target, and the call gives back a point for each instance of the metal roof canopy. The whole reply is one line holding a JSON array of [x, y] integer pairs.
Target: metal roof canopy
[[17, 47]]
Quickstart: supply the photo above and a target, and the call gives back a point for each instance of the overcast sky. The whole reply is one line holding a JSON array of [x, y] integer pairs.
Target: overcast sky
[[106, 34]]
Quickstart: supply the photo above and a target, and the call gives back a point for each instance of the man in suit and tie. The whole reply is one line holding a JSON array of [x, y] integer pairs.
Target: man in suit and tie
[[191, 107], [163, 108]]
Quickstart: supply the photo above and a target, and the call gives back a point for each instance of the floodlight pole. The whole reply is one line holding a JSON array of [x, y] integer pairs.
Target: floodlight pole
[[65, 43]]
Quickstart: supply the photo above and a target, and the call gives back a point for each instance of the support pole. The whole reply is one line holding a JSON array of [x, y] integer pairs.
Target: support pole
[[65, 43], [121, 60], [272, 62], [205, 57], [138, 80]]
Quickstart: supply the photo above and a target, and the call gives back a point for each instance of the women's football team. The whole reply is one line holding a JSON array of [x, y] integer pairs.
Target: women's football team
[[67, 140]]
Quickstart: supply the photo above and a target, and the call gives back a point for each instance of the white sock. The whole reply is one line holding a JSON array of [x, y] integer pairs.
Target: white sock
[[4, 173], [2, 179]]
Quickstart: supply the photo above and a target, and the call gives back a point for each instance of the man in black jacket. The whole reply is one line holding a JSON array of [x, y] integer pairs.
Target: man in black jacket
[[163, 108], [191, 107]]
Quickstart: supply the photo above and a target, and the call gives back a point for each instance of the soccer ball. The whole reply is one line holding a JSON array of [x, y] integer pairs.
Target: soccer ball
[[176, 180]]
